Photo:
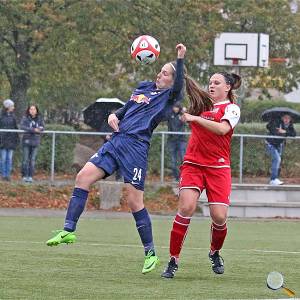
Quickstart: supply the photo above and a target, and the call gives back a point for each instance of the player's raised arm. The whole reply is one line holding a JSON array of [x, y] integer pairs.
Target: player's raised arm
[[178, 68]]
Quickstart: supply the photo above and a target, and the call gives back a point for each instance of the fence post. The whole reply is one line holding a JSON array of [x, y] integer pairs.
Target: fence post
[[52, 157], [162, 158], [241, 158]]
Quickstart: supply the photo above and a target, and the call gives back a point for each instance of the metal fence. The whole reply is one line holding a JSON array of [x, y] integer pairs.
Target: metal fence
[[247, 151], [242, 144]]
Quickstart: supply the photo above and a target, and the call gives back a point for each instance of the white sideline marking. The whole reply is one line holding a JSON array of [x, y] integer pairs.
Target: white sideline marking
[[162, 247]]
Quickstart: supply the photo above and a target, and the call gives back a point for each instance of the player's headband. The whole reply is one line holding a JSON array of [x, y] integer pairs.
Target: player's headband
[[173, 67]]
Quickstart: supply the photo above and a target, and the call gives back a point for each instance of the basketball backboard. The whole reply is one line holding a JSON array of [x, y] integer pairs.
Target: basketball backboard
[[241, 49]]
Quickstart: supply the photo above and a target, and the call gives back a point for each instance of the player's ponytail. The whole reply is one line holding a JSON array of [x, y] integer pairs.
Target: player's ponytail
[[199, 100], [237, 81]]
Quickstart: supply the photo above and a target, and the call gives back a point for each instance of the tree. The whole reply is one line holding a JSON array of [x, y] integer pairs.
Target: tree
[[92, 59], [24, 28], [62, 54]]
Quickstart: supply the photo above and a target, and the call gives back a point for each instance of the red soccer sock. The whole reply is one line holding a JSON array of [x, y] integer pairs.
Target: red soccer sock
[[178, 234], [217, 236]]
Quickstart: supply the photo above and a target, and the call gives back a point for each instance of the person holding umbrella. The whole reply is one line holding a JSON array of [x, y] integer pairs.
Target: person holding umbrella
[[279, 125]]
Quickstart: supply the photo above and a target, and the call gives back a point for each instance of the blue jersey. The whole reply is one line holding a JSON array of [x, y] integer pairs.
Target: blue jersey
[[127, 150], [148, 106]]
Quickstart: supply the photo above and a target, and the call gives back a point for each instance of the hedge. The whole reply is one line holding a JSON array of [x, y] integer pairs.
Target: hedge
[[251, 110]]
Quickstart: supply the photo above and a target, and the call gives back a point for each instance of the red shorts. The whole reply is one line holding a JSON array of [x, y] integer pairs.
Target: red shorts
[[216, 181]]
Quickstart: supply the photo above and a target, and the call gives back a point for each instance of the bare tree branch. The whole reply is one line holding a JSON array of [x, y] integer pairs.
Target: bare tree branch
[[6, 69], [8, 42]]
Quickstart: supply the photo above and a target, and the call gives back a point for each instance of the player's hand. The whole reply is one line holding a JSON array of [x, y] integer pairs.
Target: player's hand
[[188, 118], [113, 122], [181, 49]]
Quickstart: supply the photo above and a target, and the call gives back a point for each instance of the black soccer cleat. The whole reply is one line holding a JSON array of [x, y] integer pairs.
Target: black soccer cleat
[[171, 268], [217, 262]]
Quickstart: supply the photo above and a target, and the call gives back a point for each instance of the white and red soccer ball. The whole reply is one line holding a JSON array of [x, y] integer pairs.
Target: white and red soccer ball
[[145, 49]]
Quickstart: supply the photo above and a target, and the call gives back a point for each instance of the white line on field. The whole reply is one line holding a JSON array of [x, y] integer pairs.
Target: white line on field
[[162, 247]]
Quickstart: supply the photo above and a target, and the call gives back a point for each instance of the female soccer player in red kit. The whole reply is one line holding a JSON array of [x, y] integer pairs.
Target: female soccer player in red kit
[[207, 166]]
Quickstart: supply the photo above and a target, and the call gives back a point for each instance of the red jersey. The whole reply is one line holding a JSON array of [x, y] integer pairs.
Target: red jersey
[[206, 148]]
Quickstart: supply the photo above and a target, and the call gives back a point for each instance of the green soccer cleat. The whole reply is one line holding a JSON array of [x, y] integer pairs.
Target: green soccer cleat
[[62, 236], [151, 261]]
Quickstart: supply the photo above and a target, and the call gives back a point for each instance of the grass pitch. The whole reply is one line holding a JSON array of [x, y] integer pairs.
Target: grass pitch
[[107, 260]]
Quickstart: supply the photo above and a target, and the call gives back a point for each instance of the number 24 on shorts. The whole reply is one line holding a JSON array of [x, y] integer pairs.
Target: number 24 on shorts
[[137, 174]]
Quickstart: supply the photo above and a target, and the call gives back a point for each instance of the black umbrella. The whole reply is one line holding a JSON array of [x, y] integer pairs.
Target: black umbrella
[[96, 114], [278, 112]]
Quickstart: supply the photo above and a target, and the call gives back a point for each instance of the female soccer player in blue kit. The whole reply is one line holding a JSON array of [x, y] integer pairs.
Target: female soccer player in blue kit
[[127, 150]]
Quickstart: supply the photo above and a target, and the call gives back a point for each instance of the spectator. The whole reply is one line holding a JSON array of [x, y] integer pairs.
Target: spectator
[[281, 127], [176, 142], [8, 140], [33, 124]]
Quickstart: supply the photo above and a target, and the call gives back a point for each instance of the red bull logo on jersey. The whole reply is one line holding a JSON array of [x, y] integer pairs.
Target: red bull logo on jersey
[[140, 98]]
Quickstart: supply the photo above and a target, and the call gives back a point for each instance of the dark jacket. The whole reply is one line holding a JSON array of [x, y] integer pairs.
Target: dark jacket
[[30, 137], [175, 124], [272, 125], [8, 140]]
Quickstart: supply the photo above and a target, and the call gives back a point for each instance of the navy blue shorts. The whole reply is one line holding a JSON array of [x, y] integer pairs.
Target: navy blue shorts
[[126, 153]]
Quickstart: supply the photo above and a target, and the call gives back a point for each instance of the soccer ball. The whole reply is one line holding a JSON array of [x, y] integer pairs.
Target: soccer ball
[[145, 49]]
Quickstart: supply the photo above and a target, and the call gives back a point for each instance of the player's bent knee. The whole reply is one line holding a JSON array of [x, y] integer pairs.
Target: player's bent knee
[[187, 210], [84, 179], [81, 181], [219, 218], [218, 214], [88, 175]]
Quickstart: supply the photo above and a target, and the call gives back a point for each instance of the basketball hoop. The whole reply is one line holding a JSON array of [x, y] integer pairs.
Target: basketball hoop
[[235, 61]]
